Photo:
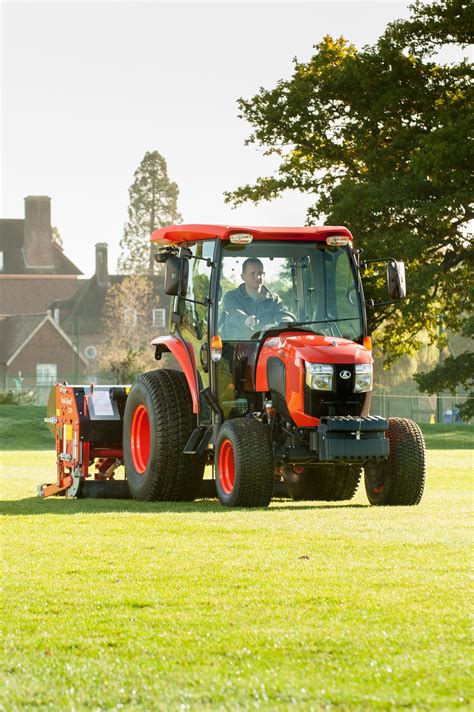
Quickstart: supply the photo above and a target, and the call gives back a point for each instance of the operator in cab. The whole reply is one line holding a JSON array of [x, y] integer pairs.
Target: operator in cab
[[252, 307]]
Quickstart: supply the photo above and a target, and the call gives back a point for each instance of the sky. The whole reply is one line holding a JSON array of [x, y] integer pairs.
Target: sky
[[88, 87]]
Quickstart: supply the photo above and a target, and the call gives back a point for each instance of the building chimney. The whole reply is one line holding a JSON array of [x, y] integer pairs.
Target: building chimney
[[101, 268], [37, 243]]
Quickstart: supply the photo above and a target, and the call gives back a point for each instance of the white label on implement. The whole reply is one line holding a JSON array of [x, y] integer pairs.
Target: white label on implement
[[101, 403]]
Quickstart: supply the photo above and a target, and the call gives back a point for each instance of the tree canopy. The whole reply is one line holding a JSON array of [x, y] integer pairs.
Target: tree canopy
[[381, 138], [153, 203]]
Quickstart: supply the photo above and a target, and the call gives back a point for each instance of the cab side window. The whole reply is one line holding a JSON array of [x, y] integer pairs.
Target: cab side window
[[194, 313]]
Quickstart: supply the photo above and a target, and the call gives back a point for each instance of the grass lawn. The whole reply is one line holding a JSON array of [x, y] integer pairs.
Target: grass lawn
[[23, 427], [441, 437], [121, 604]]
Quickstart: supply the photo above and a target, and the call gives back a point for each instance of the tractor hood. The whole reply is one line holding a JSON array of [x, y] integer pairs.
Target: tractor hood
[[314, 349], [281, 367]]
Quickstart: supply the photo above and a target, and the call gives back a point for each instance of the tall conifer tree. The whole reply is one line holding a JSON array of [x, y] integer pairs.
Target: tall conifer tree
[[153, 204]]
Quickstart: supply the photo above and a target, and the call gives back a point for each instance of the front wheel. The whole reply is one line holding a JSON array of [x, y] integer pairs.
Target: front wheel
[[245, 469], [401, 479]]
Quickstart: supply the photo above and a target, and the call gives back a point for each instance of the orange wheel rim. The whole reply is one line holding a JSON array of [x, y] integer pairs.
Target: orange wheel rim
[[140, 439], [226, 466]]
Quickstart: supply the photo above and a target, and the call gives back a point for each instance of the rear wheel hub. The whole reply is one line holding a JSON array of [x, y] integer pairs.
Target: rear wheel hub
[[140, 439]]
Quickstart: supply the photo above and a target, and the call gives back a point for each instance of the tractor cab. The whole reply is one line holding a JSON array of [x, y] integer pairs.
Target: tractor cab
[[234, 288]]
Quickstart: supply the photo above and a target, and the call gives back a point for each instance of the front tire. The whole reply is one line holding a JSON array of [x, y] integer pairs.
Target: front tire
[[244, 462], [400, 480], [158, 421]]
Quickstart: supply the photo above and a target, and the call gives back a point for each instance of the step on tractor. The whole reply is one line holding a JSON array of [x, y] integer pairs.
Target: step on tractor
[[270, 382]]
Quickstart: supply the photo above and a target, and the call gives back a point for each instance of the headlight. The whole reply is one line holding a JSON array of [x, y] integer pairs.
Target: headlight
[[363, 377], [320, 376]]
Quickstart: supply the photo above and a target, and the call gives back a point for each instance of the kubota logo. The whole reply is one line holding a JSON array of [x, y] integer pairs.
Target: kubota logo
[[345, 375]]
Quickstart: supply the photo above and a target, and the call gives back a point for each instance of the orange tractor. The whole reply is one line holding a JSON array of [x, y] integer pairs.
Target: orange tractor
[[272, 382]]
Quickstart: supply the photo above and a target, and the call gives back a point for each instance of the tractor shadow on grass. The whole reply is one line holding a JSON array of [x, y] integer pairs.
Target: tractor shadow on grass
[[32, 506]]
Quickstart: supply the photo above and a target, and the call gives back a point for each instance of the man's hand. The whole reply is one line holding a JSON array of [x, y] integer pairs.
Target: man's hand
[[251, 322]]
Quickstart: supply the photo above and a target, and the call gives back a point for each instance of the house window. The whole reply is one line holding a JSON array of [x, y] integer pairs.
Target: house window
[[46, 374], [159, 318], [1, 261]]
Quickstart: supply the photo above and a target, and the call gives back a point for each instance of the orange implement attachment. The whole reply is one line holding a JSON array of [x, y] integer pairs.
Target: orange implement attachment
[[87, 423], [50, 490]]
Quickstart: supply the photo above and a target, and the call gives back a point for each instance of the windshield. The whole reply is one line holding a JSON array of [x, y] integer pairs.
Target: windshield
[[266, 284]]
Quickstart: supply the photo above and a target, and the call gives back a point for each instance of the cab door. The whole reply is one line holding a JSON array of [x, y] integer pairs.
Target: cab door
[[196, 312]]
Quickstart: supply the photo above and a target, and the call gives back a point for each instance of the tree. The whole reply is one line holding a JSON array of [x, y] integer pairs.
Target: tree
[[56, 237], [126, 322], [454, 372], [153, 204], [380, 138]]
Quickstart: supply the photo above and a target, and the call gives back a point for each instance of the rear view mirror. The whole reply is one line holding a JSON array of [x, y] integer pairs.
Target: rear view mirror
[[396, 283], [176, 276]]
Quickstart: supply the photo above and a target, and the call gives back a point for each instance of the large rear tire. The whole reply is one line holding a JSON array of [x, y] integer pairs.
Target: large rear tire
[[158, 421], [324, 483], [401, 479], [245, 472]]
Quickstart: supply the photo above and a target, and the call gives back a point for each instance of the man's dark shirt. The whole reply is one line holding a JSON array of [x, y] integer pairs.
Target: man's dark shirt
[[238, 305]]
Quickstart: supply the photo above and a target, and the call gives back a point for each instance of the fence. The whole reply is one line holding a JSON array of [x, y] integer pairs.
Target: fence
[[402, 402], [441, 407], [35, 391]]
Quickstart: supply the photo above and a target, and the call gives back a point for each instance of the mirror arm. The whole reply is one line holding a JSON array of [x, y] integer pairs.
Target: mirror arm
[[188, 255], [371, 303], [207, 260], [364, 263], [196, 301]]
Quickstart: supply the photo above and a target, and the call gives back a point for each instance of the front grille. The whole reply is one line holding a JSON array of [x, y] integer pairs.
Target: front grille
[[341, 401]]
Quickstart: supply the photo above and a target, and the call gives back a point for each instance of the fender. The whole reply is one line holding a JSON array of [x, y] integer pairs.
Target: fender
[[186, 359]]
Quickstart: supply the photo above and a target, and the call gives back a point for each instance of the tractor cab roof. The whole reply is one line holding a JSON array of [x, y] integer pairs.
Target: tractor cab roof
[[178, 234]]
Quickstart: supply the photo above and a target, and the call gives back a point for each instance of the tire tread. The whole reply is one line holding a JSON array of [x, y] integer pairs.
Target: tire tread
[[254, 458], [405, 470]]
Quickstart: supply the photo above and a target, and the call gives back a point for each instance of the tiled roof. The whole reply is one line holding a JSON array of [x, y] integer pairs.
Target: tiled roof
[[30, 294], [89, 300], [11, 244], [62, 263], [14, 330]]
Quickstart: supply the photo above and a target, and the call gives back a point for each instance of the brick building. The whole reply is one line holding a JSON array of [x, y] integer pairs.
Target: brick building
[[50, 314]]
